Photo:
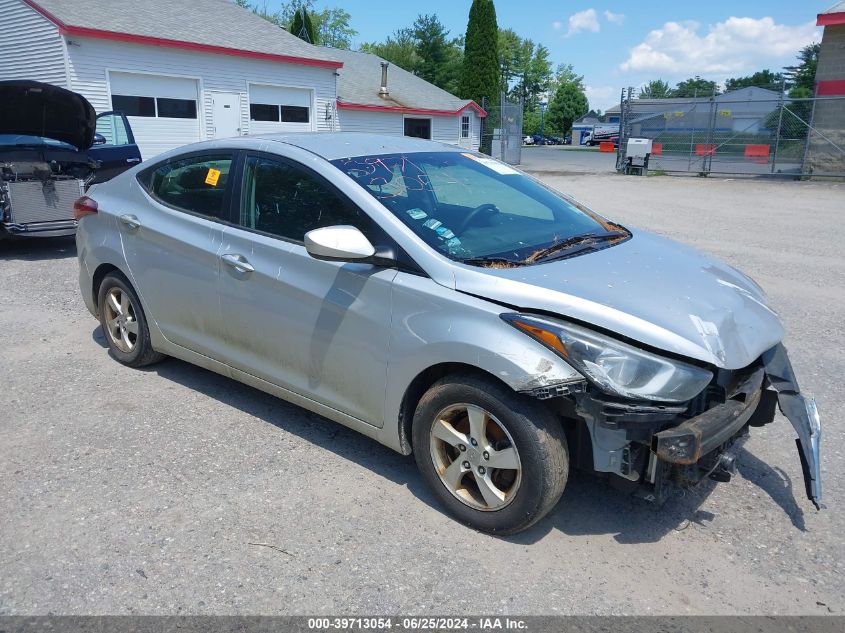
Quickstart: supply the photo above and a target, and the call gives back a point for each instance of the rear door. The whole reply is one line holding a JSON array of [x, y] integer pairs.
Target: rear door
[[319, 329], [172, 239], [116, 150]]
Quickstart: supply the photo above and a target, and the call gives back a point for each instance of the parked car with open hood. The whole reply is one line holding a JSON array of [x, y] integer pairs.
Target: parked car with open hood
[[446, 305], [53, 146]]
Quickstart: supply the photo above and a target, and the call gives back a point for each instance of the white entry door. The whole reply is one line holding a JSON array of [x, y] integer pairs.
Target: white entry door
[[226, 114]]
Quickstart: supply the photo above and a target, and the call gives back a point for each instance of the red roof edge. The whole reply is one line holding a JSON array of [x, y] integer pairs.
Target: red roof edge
[[81, 31], [380, 108], [830, 19]]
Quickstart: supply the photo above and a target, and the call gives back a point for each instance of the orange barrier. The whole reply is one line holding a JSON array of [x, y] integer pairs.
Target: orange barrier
[[607, 146], [657, 149], [705, 149], [757, 151]]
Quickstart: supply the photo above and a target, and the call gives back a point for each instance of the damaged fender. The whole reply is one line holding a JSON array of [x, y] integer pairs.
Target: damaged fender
[[802, 413]]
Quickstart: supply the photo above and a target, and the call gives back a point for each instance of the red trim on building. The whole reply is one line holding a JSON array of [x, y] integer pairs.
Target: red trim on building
[[381, 108], [831, 88], [830, 19], [81, 31]]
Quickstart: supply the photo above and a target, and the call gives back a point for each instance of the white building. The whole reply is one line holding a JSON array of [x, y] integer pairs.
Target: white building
[[190, 70]]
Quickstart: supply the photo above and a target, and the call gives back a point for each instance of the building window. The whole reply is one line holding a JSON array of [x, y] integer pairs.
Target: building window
[[283, 113], [418, 128], [464, 126], [132, 105], [294, 114], [263, 112], [177, 108]]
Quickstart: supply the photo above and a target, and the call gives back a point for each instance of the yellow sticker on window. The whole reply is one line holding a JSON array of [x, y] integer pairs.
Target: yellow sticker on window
[[212, 177]]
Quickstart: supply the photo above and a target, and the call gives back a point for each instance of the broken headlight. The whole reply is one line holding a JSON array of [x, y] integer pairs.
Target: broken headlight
[[616, 367]]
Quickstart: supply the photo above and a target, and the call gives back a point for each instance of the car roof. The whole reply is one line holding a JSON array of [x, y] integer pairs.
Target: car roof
[[334, 145]]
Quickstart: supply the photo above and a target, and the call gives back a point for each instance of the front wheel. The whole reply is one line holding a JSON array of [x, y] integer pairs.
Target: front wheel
[[497, 460]]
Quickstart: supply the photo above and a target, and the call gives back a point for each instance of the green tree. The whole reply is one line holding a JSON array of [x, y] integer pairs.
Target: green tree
[[568, 104], [656, 89], [481, 76], [696, 87], [760, 79], [536, 75], [399, 48], [432, 47], [804, 74], [302, 27], [331, 27], [565, 73], [510, 56]]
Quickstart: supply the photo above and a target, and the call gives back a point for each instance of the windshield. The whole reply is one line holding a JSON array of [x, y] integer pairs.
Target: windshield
[[477, 210]]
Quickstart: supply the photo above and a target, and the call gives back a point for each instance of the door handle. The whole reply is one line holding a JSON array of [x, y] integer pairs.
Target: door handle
[[238, 262], [130, 222], [133, 160]]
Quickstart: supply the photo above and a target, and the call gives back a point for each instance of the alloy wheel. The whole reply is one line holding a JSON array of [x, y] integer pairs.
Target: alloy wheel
[[475, 457], [121, 323]]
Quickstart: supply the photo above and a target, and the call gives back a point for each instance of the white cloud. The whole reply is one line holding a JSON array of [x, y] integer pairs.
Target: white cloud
[[602, 97], [587, 20], [615, 18], [735, 45]]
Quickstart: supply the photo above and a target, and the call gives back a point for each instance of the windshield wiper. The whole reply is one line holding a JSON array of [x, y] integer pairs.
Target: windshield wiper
[[492, 262], [578, 240]]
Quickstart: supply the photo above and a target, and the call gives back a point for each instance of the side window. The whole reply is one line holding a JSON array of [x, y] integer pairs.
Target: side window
[[196, 184], [287, 201], [112, 127]]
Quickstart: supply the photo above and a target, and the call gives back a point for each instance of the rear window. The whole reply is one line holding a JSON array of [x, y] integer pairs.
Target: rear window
[[196, 184]]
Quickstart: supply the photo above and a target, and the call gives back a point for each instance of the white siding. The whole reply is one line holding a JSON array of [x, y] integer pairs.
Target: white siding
[[90, 59], [30, 45], [390, 123], [276, 95], [446, 129]]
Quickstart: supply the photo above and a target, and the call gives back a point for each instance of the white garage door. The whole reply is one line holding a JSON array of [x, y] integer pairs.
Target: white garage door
[[279, 109], [163, 111]]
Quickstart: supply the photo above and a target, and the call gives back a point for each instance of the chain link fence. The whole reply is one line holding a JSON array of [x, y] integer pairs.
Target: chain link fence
[[502, 134], [751, 131]]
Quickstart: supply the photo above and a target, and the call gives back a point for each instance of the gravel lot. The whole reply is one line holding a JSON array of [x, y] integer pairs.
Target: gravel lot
[[176, 491]]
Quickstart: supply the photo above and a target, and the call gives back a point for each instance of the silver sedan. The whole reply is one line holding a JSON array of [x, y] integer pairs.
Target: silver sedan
[[446, 305]]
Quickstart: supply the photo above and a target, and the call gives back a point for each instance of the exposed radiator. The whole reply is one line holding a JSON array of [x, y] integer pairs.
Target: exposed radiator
[[34, 201]]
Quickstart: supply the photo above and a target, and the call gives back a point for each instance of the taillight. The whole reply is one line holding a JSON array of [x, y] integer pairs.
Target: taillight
[[84, 206]]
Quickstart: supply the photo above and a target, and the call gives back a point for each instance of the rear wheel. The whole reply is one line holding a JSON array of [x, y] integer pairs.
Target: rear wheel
[[124, 323], [497, 460]]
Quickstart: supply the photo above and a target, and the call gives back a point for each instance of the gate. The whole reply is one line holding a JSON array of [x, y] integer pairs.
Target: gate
[[502, 134], [745, 132]]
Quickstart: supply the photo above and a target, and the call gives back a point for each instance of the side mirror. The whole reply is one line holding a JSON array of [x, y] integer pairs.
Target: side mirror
[[99, 139], [338, 244]]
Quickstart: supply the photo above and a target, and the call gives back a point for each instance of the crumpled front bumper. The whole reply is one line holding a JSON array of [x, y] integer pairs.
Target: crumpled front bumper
[[802, 413], [694, 439]]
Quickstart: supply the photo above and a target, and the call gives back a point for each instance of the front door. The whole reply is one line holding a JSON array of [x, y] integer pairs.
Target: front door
[[114, 148], [226, 114], [172, 234], [319, 329]]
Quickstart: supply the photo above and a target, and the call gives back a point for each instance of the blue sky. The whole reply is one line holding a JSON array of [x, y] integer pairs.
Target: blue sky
[[615, 44]]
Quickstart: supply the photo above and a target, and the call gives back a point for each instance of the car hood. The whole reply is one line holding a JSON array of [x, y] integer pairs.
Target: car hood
[[37, 109], [649, 289]]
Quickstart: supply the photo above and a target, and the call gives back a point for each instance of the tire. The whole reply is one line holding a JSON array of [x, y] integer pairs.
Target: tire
[[518, 497], [124, 323]]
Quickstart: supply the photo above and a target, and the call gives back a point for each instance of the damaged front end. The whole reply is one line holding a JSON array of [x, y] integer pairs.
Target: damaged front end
[[659, 423], [661, 447]]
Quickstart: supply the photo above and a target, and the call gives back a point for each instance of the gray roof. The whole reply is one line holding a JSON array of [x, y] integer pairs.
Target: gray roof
[[752, 93], [360, 79], [208, 22], [839, 7]]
